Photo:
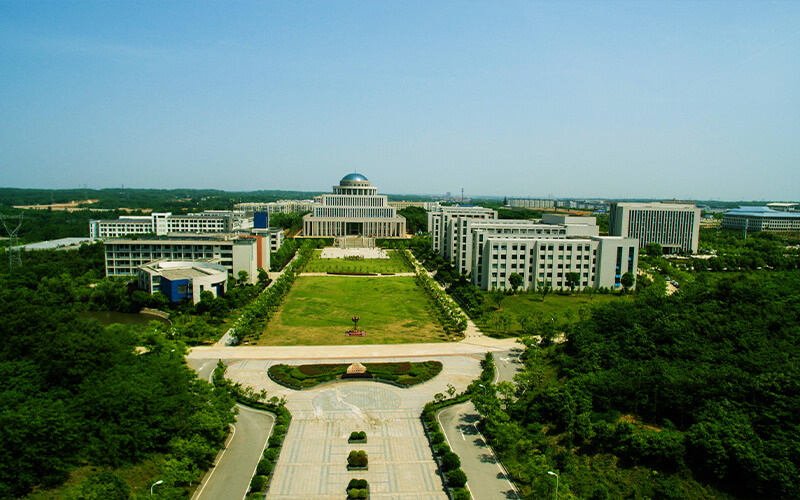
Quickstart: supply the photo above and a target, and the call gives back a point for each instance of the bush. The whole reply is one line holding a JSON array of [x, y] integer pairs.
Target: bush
[[357, 459], [258, 483], [462, 494], [456, 478], [271, 454], [441, 448], [358, 436], [264, 467], [450, 461], [280, 430], [275, 441], [437, 437]]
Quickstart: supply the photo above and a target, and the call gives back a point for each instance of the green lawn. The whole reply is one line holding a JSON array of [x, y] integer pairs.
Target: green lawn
[[562, 308], [394, 264], [317, 311]]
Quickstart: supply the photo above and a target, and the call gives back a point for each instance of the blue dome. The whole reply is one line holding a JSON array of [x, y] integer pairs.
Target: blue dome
[[354, 177]]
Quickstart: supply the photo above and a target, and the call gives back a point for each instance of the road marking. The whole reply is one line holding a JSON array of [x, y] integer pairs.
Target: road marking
[[462, 435], [207, 479]]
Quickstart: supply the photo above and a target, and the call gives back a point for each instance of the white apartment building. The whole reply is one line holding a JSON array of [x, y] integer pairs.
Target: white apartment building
[[445, 233], [354, 208], [531, 203], [161, 223], [599, 261], [425, 205], [276, 207], [124, 256], [675, 226], [760, 219], [469, 249]]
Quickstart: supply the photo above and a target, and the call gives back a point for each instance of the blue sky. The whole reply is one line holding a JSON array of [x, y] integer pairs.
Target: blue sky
[[691, 100]]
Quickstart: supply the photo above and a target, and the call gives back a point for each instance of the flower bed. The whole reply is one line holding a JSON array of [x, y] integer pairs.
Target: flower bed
[[402, 374]]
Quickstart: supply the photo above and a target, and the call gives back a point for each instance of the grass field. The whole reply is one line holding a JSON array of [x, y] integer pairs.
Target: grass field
[[564, 307], [317, 311], [394, 264]]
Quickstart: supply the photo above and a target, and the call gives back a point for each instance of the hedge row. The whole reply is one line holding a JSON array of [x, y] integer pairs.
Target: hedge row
[[448, 462], [258, 312], [449, 313], [402, 374]]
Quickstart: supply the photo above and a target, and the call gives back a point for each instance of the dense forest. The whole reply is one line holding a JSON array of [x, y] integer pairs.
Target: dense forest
[[78, 397], [694, 395]]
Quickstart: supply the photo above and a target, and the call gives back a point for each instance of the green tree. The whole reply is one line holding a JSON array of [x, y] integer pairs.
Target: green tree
[[101, 486], [573, 280], [627, 280], [515, 280], [544, 287], [654, 250], [243, 276]]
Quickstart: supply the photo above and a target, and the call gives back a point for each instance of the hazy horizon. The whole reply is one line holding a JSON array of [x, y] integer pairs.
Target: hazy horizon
[[686, 100]]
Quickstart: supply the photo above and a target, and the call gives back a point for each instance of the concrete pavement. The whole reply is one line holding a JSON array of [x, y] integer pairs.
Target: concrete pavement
[[230, 478], [487, 479]]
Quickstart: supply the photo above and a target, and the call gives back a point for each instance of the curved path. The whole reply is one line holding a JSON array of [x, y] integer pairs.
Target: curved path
[[488, 479], [230, 478]]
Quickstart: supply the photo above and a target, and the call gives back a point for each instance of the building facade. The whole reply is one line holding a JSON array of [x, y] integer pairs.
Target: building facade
[[760, 219], [354, 209], [180, 280], [446, 231], [276, 207], [531, 203], [595, 261], [674, 226], [123, 256], [161, 224]]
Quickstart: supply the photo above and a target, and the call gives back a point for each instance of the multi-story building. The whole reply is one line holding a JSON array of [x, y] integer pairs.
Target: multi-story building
[[531, 203], [596, 261], [183, 279], [675, 226], [162, 224], [123, 256], [469, 250], [276, 207], [354, 208], [760, 219], [425, 205], [444, 230]]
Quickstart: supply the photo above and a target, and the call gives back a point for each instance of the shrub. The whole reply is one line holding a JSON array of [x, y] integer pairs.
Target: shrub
[[264, 467], [258, 483], [271, 454], [275, 441], [279, 430], [441, 448], [357, 458], [462, 494], [456, 478], [358, 436], [450, 461], [437, 437]]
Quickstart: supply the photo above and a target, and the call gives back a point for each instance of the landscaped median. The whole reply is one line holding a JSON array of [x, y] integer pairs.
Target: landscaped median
[[401, 374], [448, 462], [259, 484]]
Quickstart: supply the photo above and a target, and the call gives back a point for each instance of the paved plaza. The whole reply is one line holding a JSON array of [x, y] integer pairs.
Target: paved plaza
[[313, 461]]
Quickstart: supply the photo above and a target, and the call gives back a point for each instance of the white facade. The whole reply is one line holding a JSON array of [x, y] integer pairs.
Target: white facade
[[426, 205], [675, 226], [124, 256], [760, 219], [531, 203], [598, 261], [277, 207], [354, 208], [161, 224], [444, 234], [200, 276]]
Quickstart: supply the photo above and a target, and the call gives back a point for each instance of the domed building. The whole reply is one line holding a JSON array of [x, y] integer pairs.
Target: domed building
[[354, 209]]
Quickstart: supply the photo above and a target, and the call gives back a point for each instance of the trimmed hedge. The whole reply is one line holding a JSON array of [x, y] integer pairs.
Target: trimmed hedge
[[402, 374]]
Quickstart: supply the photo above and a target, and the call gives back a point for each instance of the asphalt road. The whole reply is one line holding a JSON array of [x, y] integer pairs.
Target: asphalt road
[[487, 479], [507, 364], [230, 478]]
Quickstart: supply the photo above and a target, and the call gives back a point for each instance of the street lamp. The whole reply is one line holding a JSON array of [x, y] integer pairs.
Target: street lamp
[[554, 474], [154, 485], [484, 388]]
